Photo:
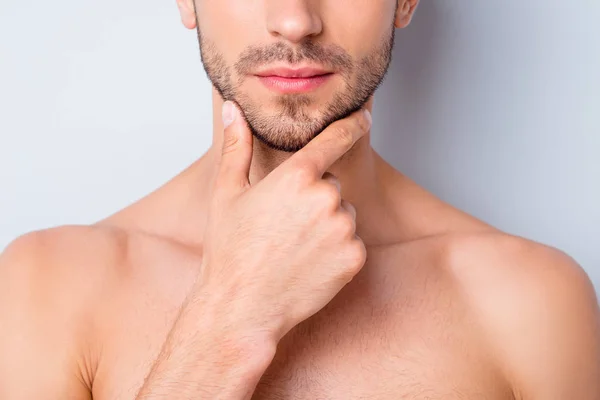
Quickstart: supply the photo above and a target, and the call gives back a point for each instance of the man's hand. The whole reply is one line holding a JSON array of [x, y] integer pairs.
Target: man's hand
[[274, 254], [279, 251]]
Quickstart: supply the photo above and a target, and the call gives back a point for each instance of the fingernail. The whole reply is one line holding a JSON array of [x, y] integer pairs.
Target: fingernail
[[369, 117], [228, 113]]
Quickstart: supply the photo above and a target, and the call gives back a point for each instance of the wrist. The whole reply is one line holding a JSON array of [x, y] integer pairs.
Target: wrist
[[254, 352], [218, 317], [242, 351], [230, 312], [213, 363]]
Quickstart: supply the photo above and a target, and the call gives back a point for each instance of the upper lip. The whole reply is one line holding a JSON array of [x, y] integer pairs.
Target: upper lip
[[293, 72]]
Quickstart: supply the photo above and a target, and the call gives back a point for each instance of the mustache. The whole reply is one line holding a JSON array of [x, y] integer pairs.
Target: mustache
[[331, 56]]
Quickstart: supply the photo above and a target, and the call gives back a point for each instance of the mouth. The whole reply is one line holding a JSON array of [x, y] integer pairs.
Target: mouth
[[287, 80]]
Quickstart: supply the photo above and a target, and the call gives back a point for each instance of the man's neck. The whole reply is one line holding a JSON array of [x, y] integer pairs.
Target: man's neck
[[390, 207]]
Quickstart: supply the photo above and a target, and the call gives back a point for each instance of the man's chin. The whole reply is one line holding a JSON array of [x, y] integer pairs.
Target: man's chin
[[289, 126], [289, 142]]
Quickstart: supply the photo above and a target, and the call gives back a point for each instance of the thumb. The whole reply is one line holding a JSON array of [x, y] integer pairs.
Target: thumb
[[236, 154]]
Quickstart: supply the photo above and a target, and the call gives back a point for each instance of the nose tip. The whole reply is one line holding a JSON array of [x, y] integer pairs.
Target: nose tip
[[293, 20]]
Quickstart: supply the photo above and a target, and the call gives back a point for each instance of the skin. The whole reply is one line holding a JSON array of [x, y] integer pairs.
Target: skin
[[288, 122], [445, 305]]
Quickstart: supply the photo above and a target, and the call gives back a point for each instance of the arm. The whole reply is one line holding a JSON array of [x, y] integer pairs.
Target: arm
[[557, 346], [36, 347], [274, 253], [545, 326], [208, 355]]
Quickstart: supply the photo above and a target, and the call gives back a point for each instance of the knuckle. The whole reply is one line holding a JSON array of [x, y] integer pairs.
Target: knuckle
[[302, 173], [344, 134], [230, 143], [346, 227], [335, 182], [352, 212], [329, 197], [350, 209], [357, 256]]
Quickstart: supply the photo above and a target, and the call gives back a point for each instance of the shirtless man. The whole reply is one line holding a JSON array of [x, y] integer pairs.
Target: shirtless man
[[297, 266]]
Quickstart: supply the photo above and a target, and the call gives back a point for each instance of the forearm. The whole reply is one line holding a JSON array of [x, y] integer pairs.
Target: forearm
[[206, 357]]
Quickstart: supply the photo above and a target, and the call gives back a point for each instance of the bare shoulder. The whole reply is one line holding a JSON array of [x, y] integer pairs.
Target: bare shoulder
[[50, 283], [75, 257], [538, 310], [69, 294]]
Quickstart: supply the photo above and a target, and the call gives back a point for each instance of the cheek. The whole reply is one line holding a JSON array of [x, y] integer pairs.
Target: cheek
[[229, 25], [359, 25]]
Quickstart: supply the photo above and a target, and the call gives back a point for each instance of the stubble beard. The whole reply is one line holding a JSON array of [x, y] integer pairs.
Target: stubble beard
[[291, 128]]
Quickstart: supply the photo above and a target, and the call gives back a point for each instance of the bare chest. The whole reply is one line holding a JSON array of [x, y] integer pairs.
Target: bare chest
[[375, 359], [376, 340]]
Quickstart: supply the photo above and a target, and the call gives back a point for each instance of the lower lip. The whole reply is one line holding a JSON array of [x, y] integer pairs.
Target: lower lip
[[294, 85]]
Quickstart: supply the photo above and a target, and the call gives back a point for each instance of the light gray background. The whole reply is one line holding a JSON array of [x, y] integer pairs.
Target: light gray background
[[493, 105]]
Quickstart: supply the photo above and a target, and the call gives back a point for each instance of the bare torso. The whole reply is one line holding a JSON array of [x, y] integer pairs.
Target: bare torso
[[400, 329], [413, 324]]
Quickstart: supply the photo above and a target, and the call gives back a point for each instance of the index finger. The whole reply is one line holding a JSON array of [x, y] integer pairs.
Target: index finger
[[331, 144]]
